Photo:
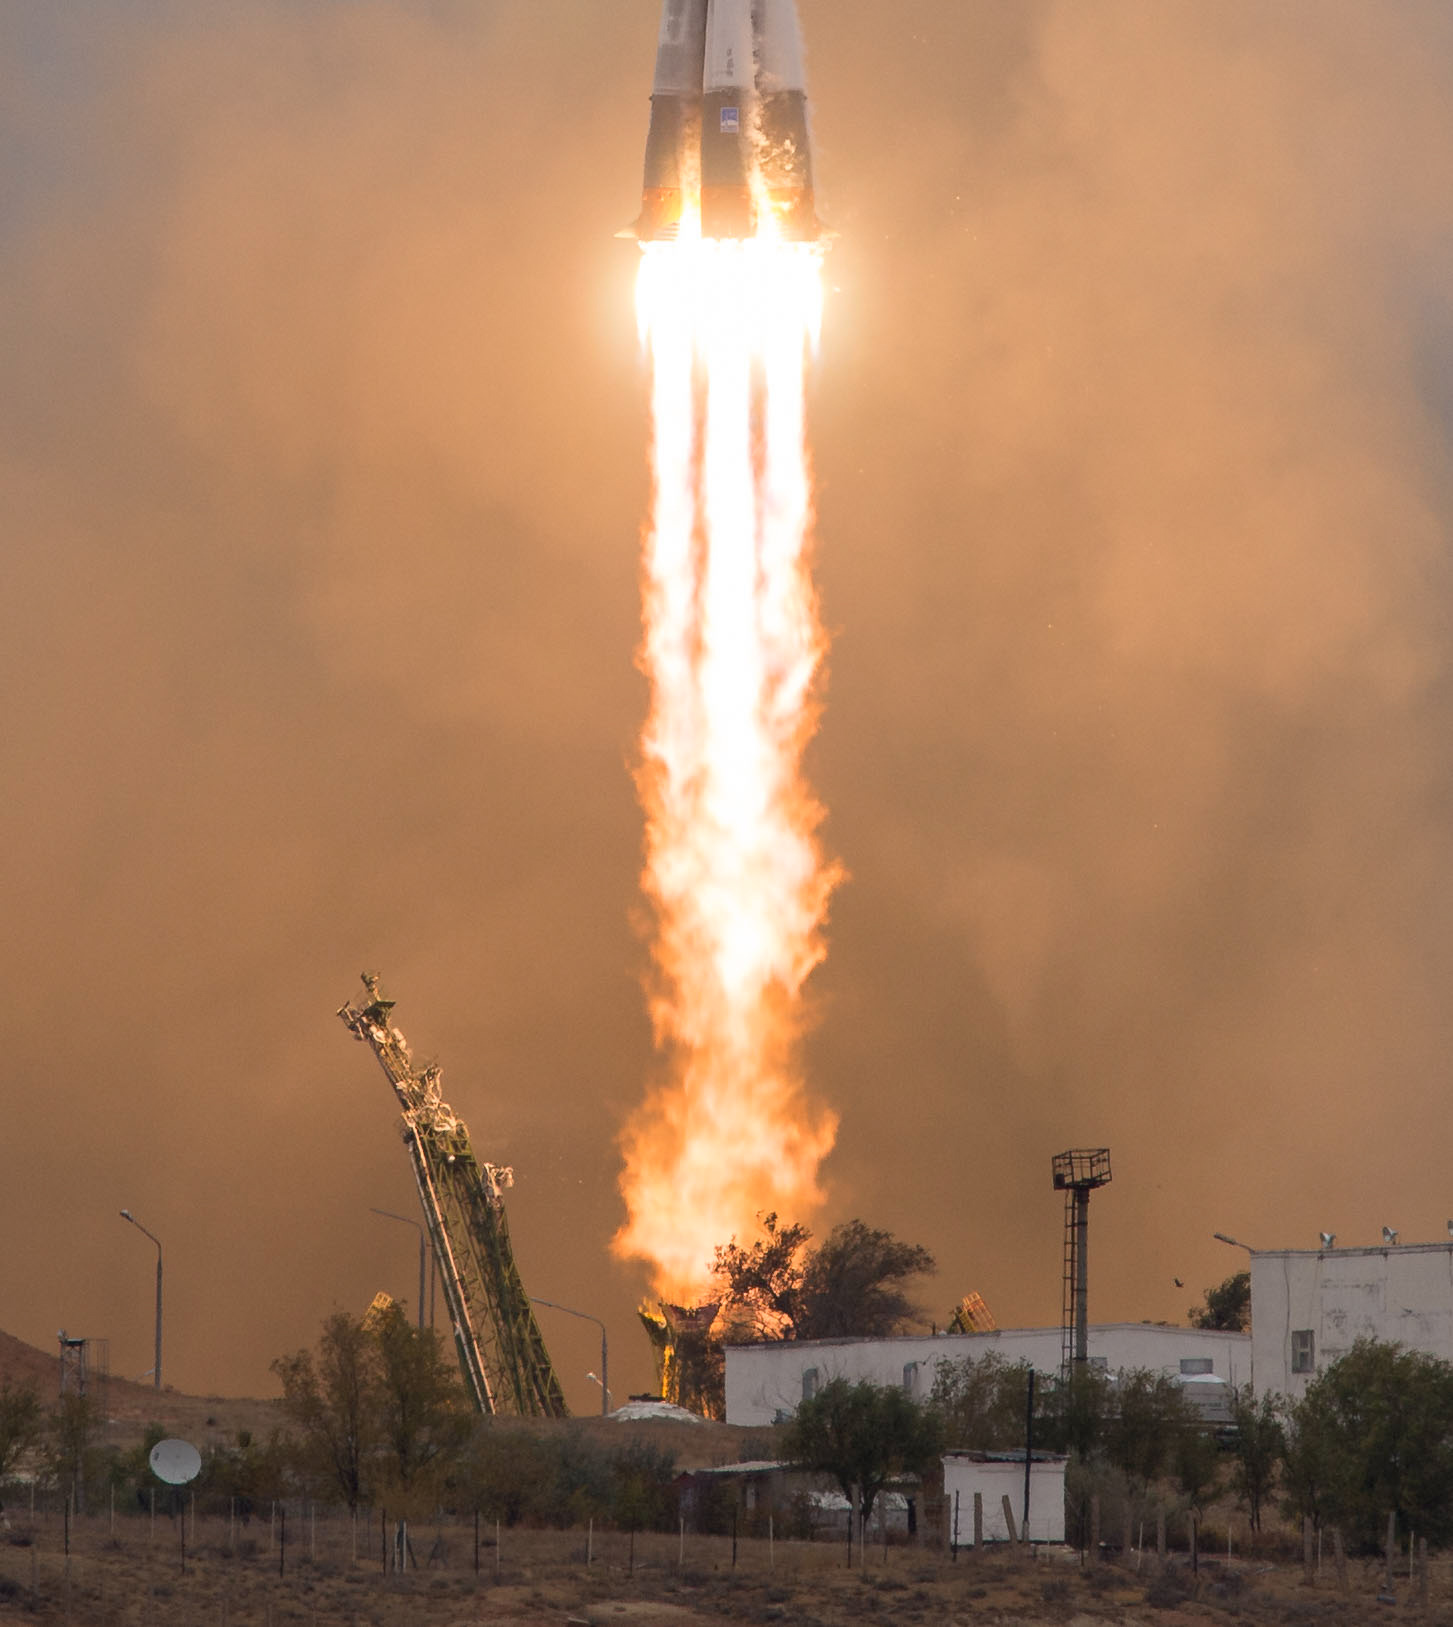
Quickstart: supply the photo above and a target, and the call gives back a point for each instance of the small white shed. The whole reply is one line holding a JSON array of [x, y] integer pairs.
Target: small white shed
[[995, 1475]]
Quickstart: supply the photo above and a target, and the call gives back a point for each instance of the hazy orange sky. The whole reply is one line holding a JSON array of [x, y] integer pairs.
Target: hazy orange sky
[[322, 473]]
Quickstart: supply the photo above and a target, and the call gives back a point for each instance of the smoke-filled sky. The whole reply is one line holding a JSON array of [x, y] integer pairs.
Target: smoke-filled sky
[[322, 472]]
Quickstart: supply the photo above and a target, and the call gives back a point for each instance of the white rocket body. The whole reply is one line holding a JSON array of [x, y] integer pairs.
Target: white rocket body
[[729, 123]]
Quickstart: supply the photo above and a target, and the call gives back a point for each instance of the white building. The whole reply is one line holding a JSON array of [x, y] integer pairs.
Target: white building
[[995, 1476], [1310, 1306], [766, 1382]]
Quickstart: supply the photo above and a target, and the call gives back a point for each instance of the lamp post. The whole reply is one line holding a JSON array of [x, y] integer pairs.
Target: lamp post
[[1221, 1237], [126, 1214], [585, 1316], [388, 1214]]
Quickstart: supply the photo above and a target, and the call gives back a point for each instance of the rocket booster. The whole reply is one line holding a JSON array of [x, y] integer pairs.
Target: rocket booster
[[729, 124]]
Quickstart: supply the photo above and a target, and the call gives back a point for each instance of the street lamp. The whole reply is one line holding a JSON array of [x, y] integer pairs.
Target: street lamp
[[1221, 1237], [595, 1379], [388, 1214], [126, 1214], [585, 1316]]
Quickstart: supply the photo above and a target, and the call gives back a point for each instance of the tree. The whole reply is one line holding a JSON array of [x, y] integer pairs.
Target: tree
[[863, 1436], [1197, 1464], [851, 1286], [70, 1429], [332, 1400], [422, 1419], [22, 1423], [1147, 1426], [1076, 1410], [1227, 1307], [762, 1285], [1260, 1445], [1372, 1434], [981, 1403]]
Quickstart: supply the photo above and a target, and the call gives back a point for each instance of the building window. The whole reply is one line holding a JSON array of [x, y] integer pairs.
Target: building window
[[910, 1376], [1304, 1352], [809, 1383], [1196, 1364]]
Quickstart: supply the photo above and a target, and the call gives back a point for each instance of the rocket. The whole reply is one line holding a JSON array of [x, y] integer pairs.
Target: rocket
[[729, 124]]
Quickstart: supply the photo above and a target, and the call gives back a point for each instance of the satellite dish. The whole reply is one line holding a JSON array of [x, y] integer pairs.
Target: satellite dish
[[1389, 1235], [175, 1461]]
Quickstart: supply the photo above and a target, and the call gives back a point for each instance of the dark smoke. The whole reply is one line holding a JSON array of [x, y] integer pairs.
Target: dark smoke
[[322, 456]]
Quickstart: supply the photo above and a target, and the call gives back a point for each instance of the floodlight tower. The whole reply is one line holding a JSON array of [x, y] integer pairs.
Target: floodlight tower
[[1077, 1173]]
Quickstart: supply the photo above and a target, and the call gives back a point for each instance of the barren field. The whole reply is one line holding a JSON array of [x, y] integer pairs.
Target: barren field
[[331, 1573]]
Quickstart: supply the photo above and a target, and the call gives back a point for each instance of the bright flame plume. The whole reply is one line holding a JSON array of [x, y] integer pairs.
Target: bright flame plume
[[732, 648]]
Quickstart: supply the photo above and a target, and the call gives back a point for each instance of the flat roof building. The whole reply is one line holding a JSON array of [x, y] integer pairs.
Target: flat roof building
[[766, 1382], [1310, 1306]]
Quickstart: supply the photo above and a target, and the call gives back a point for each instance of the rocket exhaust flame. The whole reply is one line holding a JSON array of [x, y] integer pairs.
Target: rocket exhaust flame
[[732, 646], [729, 303]]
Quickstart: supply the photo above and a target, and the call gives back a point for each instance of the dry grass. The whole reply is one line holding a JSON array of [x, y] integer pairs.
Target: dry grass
[[136, 1579]]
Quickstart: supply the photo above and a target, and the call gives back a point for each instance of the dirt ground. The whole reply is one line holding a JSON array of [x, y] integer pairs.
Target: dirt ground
[[330, 1573]]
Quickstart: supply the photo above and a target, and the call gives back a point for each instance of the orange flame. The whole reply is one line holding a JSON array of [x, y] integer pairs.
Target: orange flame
[[732, 647]]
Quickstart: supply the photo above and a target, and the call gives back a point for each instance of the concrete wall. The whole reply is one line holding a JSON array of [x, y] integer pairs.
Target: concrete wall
[[1337, 1296], [964, 1475], [766, 1382]]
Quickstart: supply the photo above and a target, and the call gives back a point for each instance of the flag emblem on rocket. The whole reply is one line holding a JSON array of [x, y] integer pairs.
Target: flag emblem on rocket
[[729, 141]]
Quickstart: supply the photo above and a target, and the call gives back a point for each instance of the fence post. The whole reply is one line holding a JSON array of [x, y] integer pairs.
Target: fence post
[[1095, 1528], [978, 1521], [1308, 1576], [1009, 1519], [1340, 1555]]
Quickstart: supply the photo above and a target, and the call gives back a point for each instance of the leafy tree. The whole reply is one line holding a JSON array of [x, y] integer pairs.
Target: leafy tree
[[761, 1286], [863, 1436], [1227, 1307], [1260, 1445], [1076, 1411], [510, 1473], [22, 1423], [422, 1416], [1372, 1433], [244, 1475], [331, 1398], [1147, 1428], [1310, 1461], [981, 1402], [851, 1286], [70, 1429], [643, 1488], [1197, 1465]]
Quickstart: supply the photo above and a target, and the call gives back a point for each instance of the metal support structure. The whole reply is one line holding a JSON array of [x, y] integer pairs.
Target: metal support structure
[[502, 1355], [1077, 1173], [126, 1214]]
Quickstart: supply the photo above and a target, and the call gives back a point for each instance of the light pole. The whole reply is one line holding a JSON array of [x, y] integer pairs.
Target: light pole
[[1221, 1237], [388, 1214], [585, 1316], [126, 1214]]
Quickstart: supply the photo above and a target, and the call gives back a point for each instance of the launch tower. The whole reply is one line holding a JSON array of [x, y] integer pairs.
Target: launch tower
[[501, 1353]]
